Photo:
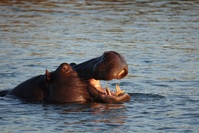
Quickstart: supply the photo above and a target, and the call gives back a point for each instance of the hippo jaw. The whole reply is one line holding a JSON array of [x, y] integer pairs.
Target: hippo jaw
[[111, 65], [105, 95]]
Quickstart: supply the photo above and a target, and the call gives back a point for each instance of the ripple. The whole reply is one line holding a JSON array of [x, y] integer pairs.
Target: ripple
[[159, 40]]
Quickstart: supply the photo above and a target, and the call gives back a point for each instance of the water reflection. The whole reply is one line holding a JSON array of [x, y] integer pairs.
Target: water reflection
[[87, 117]]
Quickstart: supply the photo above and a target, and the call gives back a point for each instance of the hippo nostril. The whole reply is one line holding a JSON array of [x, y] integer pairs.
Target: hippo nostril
[[122, 73]]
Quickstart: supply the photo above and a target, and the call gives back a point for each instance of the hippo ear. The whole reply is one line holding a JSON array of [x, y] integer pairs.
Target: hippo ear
[[66, 68], [47, 75]]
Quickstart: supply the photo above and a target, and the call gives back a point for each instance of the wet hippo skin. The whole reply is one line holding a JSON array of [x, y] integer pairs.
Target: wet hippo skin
[[76, 82]]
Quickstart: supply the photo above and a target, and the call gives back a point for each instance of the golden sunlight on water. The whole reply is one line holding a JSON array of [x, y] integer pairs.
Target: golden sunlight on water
[[158, 39]]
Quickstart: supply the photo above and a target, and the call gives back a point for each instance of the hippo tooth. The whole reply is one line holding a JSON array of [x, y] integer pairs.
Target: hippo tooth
[[118, 90], [108, 91], [121, 72]]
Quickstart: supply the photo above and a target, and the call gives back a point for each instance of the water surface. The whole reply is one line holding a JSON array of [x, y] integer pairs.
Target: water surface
[[159, 40]]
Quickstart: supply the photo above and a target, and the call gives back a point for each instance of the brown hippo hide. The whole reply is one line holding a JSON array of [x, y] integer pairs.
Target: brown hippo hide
[[61, 85], [77, 82]]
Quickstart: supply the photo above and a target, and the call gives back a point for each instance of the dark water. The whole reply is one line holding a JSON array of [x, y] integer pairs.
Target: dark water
[[159, 39]]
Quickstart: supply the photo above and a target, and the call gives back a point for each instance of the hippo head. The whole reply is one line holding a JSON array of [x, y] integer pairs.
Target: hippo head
[[64, 85], [81, 82], [111, 65]]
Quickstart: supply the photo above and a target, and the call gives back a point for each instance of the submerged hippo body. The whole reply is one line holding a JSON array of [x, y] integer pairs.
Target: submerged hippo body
[[77, 82]]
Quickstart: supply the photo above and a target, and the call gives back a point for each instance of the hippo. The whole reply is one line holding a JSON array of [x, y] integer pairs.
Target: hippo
[[76, 82]]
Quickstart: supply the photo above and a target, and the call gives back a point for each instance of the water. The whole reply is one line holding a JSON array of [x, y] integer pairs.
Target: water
[[159, 40]]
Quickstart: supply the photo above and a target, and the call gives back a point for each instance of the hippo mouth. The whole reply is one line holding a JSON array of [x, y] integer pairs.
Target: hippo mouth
[[98, 87], [105, 94]]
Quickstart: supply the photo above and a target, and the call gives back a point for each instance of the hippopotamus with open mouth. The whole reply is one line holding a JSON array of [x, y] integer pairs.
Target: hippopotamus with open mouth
[[76, 82]]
